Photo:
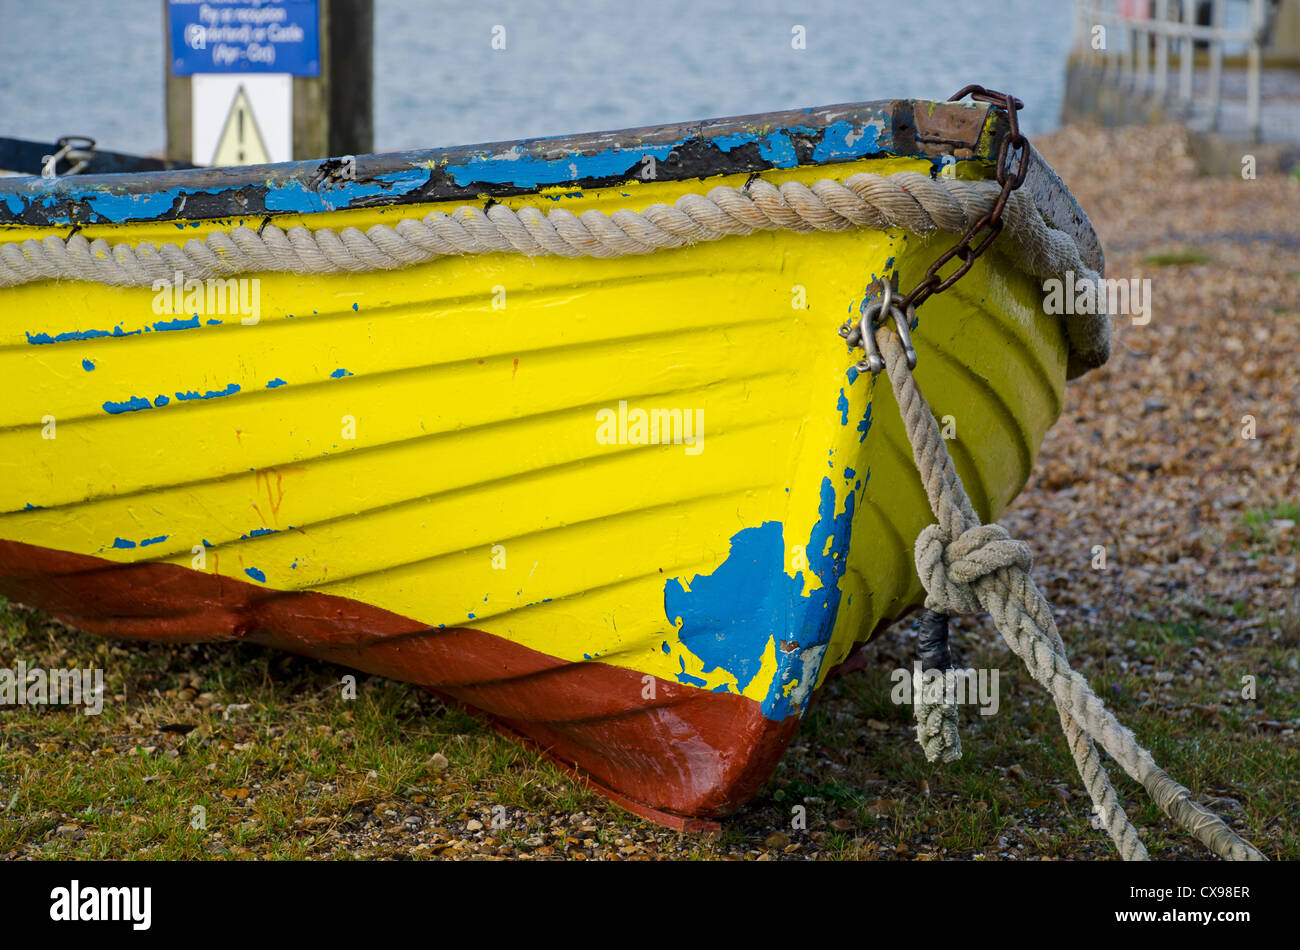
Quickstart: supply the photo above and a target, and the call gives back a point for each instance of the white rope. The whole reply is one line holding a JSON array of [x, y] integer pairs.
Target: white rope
[[965, 565], [906, 200], [936, 722]]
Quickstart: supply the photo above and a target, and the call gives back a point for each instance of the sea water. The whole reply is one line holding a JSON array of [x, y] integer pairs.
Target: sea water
[[96, 68]]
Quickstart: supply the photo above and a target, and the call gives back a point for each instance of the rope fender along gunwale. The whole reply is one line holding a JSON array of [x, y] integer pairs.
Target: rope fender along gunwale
[[908, 200]]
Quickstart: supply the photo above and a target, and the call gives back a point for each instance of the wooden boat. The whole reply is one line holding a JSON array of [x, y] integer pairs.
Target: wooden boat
[[634, 506]]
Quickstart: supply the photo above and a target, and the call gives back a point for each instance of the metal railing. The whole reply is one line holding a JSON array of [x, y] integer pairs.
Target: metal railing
[[1135, 26]]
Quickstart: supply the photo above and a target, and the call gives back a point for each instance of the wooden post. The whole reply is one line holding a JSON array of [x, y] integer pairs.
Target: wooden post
[[1252, 69], [1142, 37], [352, 84], [1112, 40], [176, 100], [1162, 50], [332, 111], [1131, 55], [1216, 63]]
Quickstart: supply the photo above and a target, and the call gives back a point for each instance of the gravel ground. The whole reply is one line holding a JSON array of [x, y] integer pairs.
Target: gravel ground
[[1148, 457]]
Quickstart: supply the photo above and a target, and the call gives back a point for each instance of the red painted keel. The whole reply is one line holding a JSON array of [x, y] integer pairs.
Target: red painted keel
[[684, 755]]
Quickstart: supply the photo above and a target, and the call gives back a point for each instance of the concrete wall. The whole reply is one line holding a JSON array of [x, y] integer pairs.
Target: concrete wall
[[1091, 98], [1286, 28]]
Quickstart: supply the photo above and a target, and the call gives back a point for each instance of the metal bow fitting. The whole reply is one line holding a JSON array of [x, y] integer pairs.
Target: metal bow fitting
[[875, 310], [76, 150], [1014, 157]]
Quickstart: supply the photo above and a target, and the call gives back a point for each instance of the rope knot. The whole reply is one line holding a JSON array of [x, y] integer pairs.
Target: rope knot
[[950, 569]]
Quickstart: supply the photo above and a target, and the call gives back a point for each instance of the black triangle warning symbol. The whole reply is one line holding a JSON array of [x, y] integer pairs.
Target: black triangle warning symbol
[[241, 142]]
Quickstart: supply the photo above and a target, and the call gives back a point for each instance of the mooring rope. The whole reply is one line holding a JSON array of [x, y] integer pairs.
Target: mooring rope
[[904, 200], [964, 566], [936, 722]]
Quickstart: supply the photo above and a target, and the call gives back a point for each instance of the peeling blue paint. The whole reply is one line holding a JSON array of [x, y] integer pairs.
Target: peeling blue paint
[[124, 544], [88, 365], [161, 401], [778, 149], [843, 140], [687, 678], [339, 373], [517, 168], [864, 425], [296, 188], [775, 147], [276, 383], [728, 618], [255, 574], [842, 404], [728, 142], [70, 335], [109, 207], [129, 405], [189, 323], [298, 196], [210, 394]]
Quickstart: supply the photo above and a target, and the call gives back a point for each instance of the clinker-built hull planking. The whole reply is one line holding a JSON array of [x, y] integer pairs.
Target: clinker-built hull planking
[[435, 474]]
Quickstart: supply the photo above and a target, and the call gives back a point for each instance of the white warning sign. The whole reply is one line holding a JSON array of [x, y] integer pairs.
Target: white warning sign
[[241, 141], [242, 119]]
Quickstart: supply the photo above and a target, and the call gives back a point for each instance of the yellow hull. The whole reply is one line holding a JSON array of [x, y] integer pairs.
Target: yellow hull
[[455, 475], [454, 447]]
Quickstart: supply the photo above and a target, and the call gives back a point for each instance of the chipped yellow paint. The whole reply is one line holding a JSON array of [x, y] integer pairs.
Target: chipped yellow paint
[[475, 427]]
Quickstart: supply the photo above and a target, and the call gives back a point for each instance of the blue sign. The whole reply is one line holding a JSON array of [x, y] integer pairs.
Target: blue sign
[[244, 36]]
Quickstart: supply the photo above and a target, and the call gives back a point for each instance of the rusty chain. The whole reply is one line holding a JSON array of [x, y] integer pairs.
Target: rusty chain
[[1012, 167]]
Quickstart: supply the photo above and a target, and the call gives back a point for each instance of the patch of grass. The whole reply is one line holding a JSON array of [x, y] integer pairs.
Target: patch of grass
[[1177, 258], [1016, 789], [1258, 523], [285, 768], [237, 751], [1287, 623], [835, 792]]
